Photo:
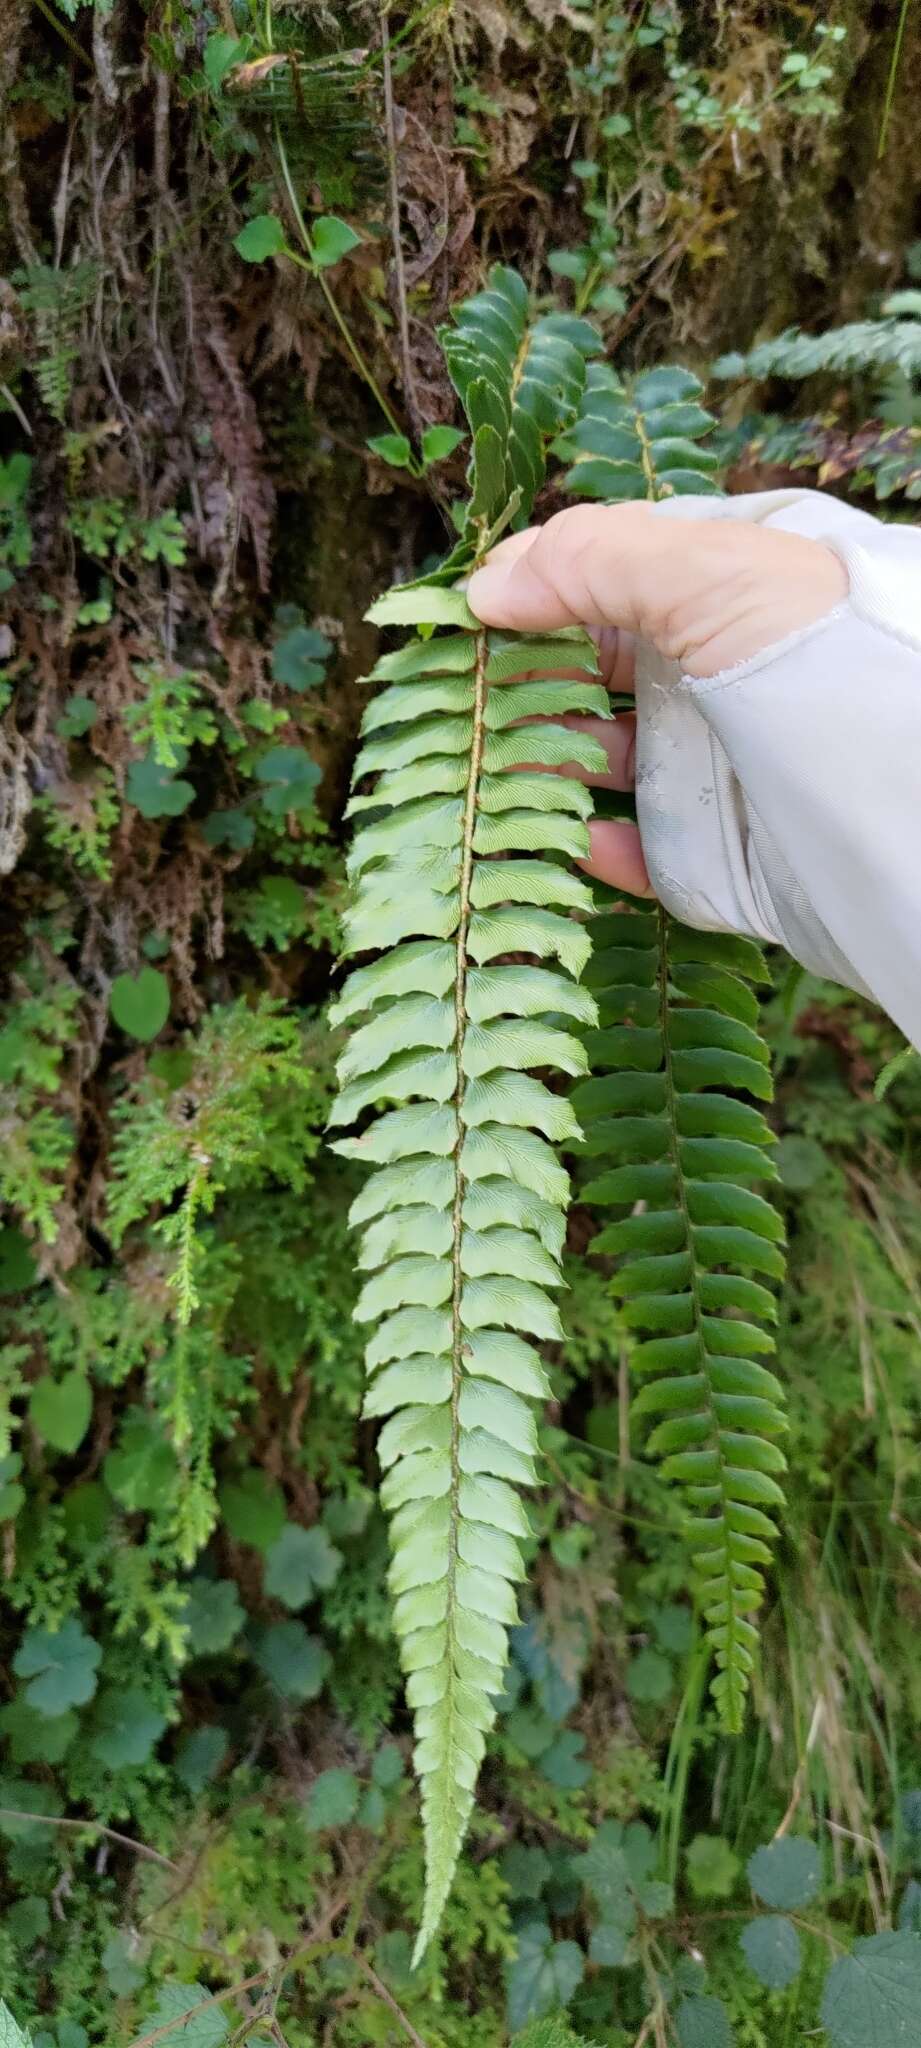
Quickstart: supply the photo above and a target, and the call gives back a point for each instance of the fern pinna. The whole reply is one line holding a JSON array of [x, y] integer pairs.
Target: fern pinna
[[458, 864], [676, 1048]]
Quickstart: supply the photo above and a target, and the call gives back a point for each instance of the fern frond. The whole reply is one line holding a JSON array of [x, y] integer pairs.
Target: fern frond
[[860, 345], [638, 440], [57, 301], [677, 1044], [677, 1017], [455, 865]]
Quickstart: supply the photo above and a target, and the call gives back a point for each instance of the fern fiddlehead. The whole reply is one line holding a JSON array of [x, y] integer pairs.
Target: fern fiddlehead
[[677, 1030], [457, 865]]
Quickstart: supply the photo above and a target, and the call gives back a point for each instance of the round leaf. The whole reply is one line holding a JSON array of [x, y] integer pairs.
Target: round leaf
[[786, 1873], [437, 442], [294, 1662], [703, 2023], [331, 239], [61, 1409], [873, 1996], [332, 1800], [712, 1867], [253, 1508], [771, 1947], [140, 1003], [213, 1616], [392, 448], [61, 1665], [301, 1563], [261, 237], [200, 1756], [650, 1678], [128, 1726]]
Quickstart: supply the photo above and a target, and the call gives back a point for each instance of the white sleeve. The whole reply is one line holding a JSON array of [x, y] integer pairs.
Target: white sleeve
[[782, 798]]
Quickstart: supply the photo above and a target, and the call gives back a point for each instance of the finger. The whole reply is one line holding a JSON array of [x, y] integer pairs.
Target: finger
[[565, 573], [617, 857], [618, 738], [615, 647], [707, 592], [616, 735]]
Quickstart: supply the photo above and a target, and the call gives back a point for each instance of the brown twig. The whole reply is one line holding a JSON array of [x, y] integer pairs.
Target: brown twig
[[399, 274], [48, 1820], [215, 1998], [380, 1988]]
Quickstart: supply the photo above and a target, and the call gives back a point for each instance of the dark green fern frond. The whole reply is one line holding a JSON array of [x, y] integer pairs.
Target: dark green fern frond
[[640, 439], [521, 378], [675, 1048], [456, 865]]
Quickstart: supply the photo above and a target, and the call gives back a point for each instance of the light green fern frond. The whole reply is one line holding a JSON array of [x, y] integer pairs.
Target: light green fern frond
[[859, 346], [676, 1050], [457, 864]]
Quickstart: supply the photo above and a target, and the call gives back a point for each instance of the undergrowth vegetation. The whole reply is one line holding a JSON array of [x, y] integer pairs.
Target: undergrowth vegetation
[[229, 241]]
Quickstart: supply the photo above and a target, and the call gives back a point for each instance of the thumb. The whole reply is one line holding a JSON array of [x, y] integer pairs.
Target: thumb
[[707, 593]]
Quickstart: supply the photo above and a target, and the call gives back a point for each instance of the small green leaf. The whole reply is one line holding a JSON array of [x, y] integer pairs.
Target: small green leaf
[[572, 263], [139, 1003], [261, 237], [155, 791], [331, 239], [294, 1662], [206, 2028], [17, 1264], [392, 448], [563, 1764], [298, 659], [650, 1678], [78, 715], [291, 777], [438, 442], [220, 53], [387, 1767], [32, 1739], [712, 1867], [771, 1947], [253, 1508], [609, 1946], [873, 1996], [301, 1563], [61, 1666], [703, 2023], [12, 1495], [121, 1970], [212, 1615], [786, 1873], [61, 1409], [332, 1800], [200, 1756], [127, 1728], [544, 1974], [229, 828], [142, 1470]]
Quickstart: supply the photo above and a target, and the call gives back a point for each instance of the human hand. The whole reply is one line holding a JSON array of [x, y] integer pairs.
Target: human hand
[[707, 593]]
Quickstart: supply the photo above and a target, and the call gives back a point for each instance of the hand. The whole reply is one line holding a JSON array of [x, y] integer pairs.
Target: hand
[[707, 593]]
